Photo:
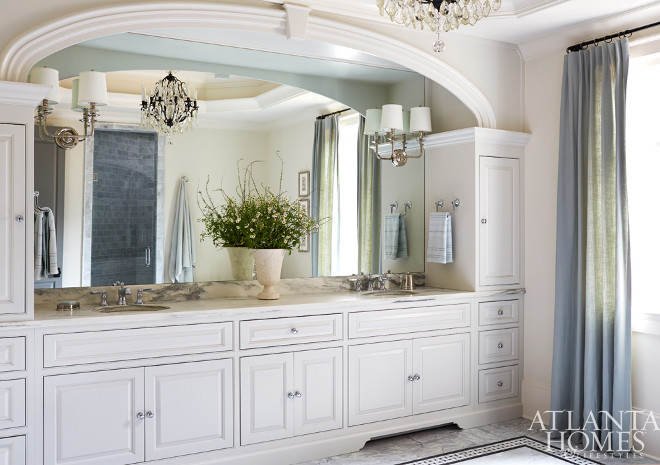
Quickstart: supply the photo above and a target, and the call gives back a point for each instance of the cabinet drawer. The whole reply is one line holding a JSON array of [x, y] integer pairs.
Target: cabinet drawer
[[12, 403], [12, 451], [498, 383], [498, 346], [130, 344], [410, 320], [493, 313], [12, 354], [285, 331]]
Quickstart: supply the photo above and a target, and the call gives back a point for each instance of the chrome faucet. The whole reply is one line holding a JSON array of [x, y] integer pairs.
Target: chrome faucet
[[377, 281], [104, 297], [122, 293], [140, 300]]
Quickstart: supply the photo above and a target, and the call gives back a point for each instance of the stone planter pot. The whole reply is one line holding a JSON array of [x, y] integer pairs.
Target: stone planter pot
[[269, 268], [242, 263]]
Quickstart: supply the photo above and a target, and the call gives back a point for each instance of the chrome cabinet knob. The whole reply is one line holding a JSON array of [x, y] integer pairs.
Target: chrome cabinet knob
[[411, 378], [140, 416], [416, 378], [298, 394], [484, 221], [291, 395], [294, 330], [500, 384], [20, 219], [500, 312], [500, 346], [150, 414]]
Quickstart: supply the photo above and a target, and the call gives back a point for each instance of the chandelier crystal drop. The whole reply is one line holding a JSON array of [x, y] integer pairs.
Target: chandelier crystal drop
[[438, 15], [169, 110]]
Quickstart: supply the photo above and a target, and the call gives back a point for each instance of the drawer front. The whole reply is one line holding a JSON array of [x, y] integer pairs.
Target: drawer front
[[494, 313], [498, 346], [498, 383], [286, 331], [12, 354], [131, 344], [12, 403], [12, 451], [410, 320]]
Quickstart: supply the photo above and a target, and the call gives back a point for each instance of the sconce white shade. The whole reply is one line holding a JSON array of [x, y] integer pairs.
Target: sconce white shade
[[420, 119], [92, 88], [372, 122], [75, 106], [48, 77], [392, 117]]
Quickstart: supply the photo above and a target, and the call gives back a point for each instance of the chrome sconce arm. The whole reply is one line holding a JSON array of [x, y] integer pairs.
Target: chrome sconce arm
[[399, 157], [66, 137]]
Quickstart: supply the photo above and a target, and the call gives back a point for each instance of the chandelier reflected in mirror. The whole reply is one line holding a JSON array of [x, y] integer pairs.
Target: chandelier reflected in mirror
[[437, 15], [169, 109]]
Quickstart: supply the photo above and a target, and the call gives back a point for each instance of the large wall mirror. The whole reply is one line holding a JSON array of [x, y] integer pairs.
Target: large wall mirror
[[114, 195]]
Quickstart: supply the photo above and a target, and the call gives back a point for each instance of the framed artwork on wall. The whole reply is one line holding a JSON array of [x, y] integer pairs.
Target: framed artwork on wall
[[303, 183], [304, 242], [305, 205]]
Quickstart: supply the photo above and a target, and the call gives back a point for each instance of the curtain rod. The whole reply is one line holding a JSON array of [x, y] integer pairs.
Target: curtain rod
[[333, 113], [626, 33]]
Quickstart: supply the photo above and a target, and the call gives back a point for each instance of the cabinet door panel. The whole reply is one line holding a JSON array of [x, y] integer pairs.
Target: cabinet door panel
[[12, 451], [379, 387], [266, 409], [192, 408], [90, 418], [443, 366], [317, 376], [12, 233], [499, 234], [12, 403]]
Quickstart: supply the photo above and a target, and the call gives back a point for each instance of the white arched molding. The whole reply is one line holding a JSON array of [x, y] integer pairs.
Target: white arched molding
[[25, 51]]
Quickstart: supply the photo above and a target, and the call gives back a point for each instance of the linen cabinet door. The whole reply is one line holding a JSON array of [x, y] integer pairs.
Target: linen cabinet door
[[267, 398], [380, 382], [318, 390], [499, 232], [188, 408], [442, 372], [13, 221], [94, 418]]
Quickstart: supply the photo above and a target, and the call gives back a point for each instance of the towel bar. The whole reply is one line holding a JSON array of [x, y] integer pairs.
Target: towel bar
[[454, 204], [394, 206]]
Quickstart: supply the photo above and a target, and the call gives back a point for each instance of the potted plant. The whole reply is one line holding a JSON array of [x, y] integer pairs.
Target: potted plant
[[227, 225]]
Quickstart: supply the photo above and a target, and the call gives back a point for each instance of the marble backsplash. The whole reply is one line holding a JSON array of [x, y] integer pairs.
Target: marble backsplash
[[203, 290]]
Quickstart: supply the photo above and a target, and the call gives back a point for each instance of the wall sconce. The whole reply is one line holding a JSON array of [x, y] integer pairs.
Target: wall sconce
[[397, 125], [89, 90]]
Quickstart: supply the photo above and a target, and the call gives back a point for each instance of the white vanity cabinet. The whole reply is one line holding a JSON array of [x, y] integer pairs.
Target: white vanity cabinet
[[400, 378], [14, 220], [123, 416], [482, 168], [290, 394]]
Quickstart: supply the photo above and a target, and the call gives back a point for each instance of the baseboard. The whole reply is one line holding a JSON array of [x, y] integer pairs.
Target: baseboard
[[535, 398], [652, 438]]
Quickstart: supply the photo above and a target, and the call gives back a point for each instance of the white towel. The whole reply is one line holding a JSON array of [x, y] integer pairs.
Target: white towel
[[182, 249], [439, 248], [38, 244], [395, 244]]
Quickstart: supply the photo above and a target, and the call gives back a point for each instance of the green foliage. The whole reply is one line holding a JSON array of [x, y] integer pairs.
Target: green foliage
[[255, 219]]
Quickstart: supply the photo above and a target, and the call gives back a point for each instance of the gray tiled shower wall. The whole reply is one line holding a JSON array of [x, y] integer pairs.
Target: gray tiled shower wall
[[124, 207]]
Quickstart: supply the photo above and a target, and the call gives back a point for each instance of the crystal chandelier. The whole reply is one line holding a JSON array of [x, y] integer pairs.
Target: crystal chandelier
[[438, 15], [169, 109]]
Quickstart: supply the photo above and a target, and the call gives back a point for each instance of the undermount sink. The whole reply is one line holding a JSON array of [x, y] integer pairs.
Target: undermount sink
[[388, 293], [131, 308]]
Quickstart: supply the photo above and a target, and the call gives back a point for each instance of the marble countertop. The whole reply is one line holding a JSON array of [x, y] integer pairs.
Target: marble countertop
[[250, 307]]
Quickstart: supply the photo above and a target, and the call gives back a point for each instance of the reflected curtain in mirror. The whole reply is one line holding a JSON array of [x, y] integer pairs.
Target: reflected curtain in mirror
[[324, 190], [368, 205]]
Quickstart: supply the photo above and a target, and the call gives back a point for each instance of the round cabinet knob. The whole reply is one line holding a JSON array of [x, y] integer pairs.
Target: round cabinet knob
[[20, 219], [294, 330], [500, 346], [500, 312], [500, 384], [298, 394], [291, 395], [411, 378], [417, 377], [484, 221], [140, 416], [150, 414]]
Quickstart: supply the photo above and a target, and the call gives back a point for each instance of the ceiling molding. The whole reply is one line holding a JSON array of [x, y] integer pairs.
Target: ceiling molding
[[26, 50], [478, 135]]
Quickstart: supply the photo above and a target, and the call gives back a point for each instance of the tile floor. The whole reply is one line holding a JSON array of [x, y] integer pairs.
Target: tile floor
[[406, 447]]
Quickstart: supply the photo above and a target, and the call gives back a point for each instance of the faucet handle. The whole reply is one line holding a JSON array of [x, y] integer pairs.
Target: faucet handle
[[104, 297], [358, 283], [139, 300], [118, 283]]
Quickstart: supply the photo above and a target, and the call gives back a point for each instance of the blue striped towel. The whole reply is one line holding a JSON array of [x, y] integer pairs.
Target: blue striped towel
[[439, 248], [395, 244]]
